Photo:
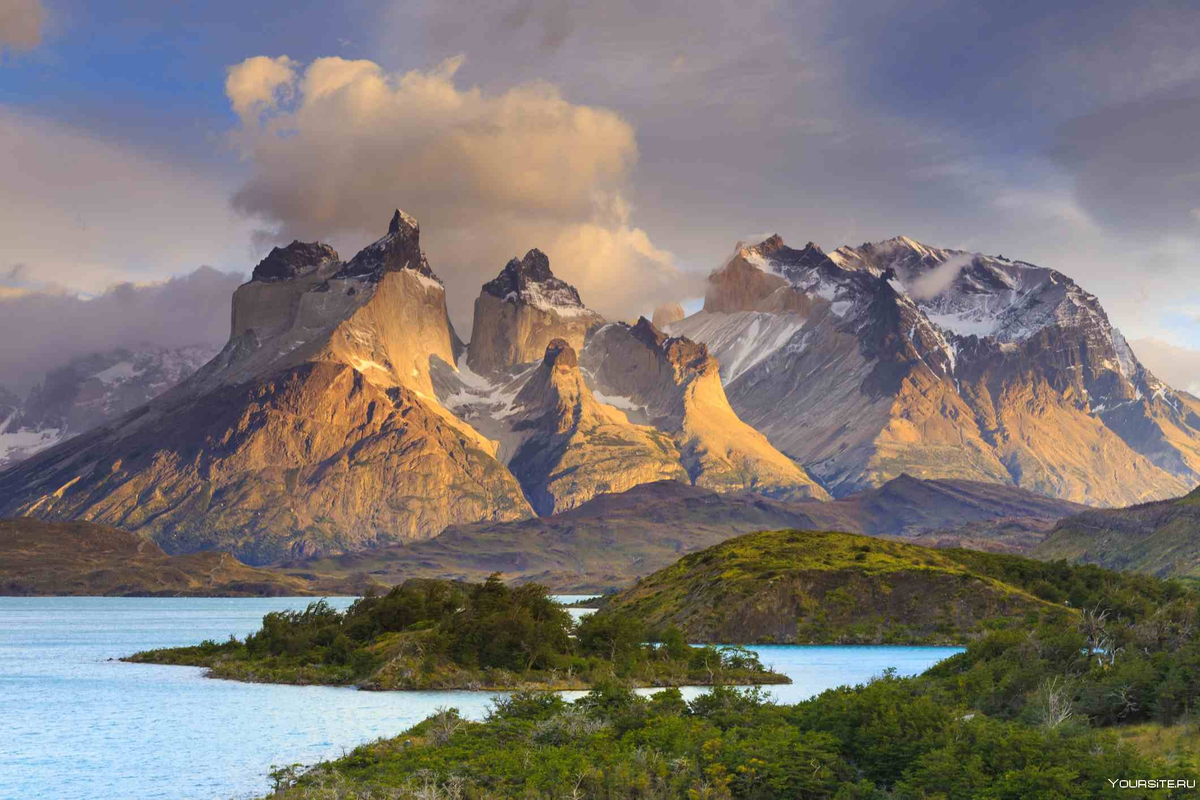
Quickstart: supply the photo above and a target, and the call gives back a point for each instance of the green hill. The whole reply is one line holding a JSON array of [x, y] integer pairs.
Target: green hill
[[815, 587], [1160, 538]]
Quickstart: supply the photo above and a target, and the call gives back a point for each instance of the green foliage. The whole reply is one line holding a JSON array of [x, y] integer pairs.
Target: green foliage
[[439, 634], [892, 738]]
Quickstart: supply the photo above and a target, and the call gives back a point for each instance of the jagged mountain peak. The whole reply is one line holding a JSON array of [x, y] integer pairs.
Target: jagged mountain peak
[[529, 280], [403, 222], [398, 249], [285, 263], [521, 311]]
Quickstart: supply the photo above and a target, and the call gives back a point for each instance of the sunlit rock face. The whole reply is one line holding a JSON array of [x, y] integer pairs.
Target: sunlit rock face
[[894, 357], [315, 429], [523, 309]]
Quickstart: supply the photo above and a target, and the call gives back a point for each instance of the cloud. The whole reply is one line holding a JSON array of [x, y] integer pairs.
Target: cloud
[[259, 83], [335, 146], [1178, 366], [21, 24], [43, 329], [84, 212], [936, 280]]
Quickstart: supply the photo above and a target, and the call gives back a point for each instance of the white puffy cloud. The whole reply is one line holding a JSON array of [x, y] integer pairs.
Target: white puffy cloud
[[21, 24], [335, 146], [259, 83]]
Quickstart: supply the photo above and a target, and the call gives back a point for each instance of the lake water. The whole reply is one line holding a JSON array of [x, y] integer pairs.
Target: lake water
[[74, 724]]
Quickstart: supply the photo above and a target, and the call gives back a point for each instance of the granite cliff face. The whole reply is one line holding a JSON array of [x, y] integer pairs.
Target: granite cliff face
[[898, 358], [314, 429], [674, 384], [523, 309], [573, 447]]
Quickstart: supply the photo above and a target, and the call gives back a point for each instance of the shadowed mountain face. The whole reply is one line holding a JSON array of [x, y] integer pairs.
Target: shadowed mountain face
[[866, 363], [83, 558], [573, 447], [615, 538], [1161, 538]]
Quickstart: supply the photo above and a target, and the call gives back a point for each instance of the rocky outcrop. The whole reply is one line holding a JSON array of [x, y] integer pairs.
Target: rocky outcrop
[[520, 311], [942, 364], [667, 313], [285, 263], [674, 384], [314, 429], [573, 447]]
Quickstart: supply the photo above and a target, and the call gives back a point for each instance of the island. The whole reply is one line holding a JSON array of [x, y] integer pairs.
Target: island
[[437, 634]]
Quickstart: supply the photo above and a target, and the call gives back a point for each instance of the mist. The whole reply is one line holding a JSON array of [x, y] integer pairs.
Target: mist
[[41, 329]]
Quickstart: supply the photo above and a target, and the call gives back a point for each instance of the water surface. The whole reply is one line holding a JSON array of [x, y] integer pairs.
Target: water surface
[[74, 724]]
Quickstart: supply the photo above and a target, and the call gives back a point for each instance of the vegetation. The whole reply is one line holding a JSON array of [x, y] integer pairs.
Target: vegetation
[[431, 634], [1160, 538], [837, 588], [1055, 709]]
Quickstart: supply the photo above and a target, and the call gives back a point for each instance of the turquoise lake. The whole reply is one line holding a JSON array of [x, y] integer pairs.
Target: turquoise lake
[[75, 724]]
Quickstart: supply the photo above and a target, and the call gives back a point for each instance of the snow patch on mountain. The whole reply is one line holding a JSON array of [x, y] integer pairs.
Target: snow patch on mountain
[[738, 340]]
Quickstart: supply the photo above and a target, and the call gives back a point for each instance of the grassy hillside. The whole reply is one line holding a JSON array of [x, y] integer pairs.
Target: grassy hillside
[[83, 558], [819, 587], [1160, 538]]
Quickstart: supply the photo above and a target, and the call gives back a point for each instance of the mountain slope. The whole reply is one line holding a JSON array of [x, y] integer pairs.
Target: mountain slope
[[90, 391], [574, 447], [613, 539], [314, 429], [674, 384], [896, 357], [797, 586], [83, 558], [1161, 538]]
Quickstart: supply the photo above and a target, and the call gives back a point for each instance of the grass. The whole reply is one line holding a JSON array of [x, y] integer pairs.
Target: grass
[[1178, 745]]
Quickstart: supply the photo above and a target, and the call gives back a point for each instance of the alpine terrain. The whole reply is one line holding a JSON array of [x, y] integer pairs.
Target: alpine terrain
[[89, 391], [890, 358], [345, 413]]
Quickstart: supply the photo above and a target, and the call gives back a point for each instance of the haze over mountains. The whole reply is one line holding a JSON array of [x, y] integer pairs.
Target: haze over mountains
[[89, 391], [345, 412]]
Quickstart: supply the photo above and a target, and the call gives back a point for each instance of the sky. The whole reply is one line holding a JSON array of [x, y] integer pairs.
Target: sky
[[634, 142]]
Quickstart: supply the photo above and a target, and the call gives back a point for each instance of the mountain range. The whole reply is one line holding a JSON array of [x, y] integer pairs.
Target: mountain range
[[90, 391], [890, 358], [345, 413], [613, 539]]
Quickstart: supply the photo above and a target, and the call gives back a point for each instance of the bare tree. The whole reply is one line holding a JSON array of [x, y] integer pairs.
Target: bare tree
[[1054, 706], [446, 723]]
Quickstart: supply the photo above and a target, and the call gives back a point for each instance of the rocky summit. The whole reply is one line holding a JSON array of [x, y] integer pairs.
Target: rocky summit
[[344, 412], [895, 357], [520, 311], [314, 429]]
